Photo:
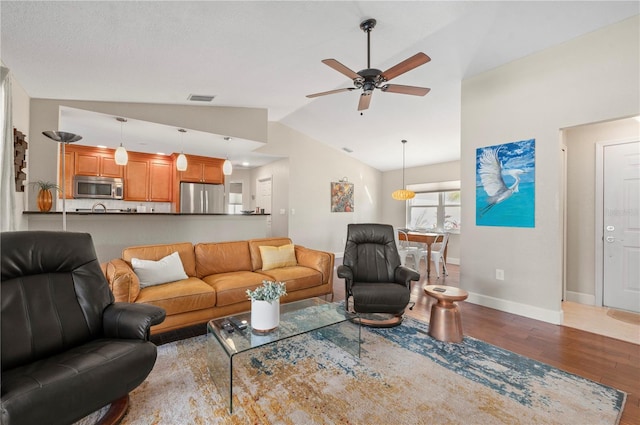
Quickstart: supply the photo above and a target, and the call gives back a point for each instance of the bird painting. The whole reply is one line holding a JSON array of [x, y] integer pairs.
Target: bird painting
[[491, 176], [501, 172]]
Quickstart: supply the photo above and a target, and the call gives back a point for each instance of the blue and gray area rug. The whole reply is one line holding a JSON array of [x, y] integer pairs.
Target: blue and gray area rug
[[402, 377]]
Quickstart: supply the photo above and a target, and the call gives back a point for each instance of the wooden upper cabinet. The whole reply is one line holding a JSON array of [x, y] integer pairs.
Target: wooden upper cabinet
[[202, 169], [91, 161], [148, 178]]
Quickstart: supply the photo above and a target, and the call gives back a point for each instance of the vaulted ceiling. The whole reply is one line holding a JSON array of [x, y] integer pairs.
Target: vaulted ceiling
[[266, 54]]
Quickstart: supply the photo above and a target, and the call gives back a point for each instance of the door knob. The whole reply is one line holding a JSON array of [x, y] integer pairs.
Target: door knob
[[611, 239], [610, 228]]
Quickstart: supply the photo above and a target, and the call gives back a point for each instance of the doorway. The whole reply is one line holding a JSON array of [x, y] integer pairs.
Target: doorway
[[583, 227]]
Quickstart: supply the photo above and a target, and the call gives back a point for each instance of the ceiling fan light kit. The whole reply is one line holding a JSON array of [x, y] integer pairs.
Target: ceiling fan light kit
[[370, 79]]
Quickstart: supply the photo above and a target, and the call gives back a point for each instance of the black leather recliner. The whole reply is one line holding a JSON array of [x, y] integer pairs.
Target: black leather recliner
[[67, 348], [373, 275]]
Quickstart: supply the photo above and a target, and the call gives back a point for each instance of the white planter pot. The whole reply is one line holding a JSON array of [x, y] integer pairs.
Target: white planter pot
[[265, 316]]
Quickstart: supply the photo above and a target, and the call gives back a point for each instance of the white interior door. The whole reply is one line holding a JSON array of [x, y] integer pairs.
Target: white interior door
[[263, 199], [621, 262]]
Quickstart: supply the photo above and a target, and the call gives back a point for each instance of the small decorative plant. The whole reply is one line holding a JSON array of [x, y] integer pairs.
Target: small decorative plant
[[269, 291], [45, 185]]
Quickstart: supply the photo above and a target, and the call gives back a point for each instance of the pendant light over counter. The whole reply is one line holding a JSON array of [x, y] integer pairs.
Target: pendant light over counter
[[181, 162], [403, 194], [121, 157], [227, 167]]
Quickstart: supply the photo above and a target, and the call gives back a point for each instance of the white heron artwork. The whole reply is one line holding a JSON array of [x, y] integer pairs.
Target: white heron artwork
[[505, 185]]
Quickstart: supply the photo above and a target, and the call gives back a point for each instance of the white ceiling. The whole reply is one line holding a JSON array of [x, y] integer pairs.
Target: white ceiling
[[267, 54]]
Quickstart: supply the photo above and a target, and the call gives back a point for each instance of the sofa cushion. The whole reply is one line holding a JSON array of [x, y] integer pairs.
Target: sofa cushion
[[167, 269], [254, 248], [156, 252], [179, 297], [222, 257], [274, 257], [231, 288], [297, 277]]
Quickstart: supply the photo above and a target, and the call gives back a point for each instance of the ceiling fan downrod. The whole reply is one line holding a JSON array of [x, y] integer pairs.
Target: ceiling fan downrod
[[367, 26]]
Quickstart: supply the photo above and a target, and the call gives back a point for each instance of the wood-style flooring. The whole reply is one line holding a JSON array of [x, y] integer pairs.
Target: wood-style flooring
[[612, 362]]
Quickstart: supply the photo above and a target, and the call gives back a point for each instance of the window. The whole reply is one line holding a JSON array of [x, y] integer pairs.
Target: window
[[436, 207]]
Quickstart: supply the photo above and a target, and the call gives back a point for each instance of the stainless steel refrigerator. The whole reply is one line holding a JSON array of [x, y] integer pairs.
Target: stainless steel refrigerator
[[201, 198]]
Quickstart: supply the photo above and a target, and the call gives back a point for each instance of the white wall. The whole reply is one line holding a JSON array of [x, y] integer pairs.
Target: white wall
[[20, 116], [589, 79], [312, 168], [394, 212], [581, 142]]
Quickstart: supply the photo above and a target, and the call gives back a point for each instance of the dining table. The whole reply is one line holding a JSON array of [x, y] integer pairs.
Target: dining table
[[427, 238]]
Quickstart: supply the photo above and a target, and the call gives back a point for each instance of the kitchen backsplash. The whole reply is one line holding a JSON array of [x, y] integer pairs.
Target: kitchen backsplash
[[148, 207]]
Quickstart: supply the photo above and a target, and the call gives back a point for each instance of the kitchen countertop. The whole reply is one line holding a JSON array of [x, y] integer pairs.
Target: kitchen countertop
[[120, 213]]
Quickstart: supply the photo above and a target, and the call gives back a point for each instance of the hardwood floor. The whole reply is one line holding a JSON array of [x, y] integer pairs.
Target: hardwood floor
[[612, 362]]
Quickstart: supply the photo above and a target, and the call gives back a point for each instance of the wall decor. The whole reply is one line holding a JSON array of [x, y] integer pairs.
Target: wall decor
[[20, 146], [342, 196], [505, 184]]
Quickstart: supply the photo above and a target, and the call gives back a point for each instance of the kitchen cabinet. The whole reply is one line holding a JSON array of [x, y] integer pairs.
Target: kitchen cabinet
[[201, 169], [99, 162], [148, 178]]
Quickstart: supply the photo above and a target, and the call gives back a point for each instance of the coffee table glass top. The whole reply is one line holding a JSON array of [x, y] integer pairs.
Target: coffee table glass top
[[314, 315], [296, 318]]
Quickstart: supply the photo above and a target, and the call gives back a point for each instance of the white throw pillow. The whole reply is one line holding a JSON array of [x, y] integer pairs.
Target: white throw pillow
[[167, 269]]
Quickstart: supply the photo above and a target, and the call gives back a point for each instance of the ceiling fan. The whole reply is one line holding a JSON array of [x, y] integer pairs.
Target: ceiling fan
[[372, 78]]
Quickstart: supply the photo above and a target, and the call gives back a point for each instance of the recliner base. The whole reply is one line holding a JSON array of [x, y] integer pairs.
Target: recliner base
[[116, 412]]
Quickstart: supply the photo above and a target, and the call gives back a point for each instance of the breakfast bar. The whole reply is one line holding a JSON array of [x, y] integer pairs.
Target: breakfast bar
[[111, 232]]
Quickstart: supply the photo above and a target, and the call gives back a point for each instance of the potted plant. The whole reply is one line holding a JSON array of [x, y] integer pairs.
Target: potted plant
[[265, 305], [45, 198]]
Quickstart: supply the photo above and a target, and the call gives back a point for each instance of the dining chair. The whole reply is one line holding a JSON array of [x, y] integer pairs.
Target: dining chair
[[404, 250], [438, 246]]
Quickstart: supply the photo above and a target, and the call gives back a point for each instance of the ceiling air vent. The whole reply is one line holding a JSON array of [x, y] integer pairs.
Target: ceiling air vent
[[201, 97]]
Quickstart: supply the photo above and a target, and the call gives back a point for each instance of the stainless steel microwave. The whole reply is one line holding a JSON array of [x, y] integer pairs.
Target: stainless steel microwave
[[98, 187]]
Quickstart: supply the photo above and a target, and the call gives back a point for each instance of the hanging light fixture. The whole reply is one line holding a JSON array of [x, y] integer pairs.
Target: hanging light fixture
[[122, 157], [403, 194], [227, 167], [181, 162]]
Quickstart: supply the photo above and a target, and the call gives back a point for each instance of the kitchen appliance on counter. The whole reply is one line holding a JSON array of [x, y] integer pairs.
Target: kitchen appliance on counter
[[98, 187], [201, 198]]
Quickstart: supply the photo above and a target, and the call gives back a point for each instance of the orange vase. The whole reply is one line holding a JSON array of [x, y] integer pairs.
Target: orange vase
[[45, 200]]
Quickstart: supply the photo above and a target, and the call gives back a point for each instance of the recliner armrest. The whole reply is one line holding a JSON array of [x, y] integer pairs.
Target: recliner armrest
[[345, 272], [405, 275], [131, 321]]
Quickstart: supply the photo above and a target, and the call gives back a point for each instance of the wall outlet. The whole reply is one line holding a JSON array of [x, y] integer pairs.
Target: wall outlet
[[499, 274]]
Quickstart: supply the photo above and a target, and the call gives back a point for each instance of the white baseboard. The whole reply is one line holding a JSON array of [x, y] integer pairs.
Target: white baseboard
[[451, 260], [581, 298], [549, 316]]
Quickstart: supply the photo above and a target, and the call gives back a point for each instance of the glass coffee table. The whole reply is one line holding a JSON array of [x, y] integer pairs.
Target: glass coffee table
[[296, 318]]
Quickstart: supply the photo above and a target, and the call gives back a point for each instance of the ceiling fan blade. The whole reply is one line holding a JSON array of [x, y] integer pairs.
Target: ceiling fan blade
[[341, 68], [412, 90], [405, 66], [330, 92], [365, 100]]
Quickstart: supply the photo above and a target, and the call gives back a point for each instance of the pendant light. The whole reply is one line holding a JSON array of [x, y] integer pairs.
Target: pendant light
[[122, 157], [227, 167], [181, 162], [403, 194]]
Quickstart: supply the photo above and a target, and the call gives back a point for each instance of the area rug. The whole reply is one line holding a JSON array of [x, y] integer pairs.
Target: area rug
[[403, 376]]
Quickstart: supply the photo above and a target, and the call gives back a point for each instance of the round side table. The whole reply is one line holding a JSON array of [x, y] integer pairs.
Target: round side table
[[445, 323]]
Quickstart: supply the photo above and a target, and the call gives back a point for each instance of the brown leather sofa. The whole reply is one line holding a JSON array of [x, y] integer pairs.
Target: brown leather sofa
[[219, 274]]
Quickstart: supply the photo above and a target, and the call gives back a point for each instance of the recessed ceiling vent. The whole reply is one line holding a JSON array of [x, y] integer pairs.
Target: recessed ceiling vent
[[201, 97]]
